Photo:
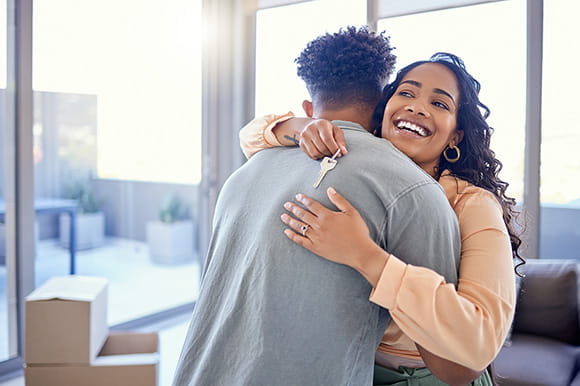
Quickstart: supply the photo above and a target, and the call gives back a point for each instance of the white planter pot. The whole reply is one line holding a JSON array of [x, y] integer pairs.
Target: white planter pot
[[170, 243], [90, 230]]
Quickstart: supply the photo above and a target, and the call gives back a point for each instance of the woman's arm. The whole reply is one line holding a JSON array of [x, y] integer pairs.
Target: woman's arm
[[449, 372], [466, 325], [316, 137], [258, 133]]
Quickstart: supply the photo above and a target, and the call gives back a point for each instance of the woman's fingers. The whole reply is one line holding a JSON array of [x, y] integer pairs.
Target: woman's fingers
[[322, 137], [300, 240], [339, 201], [310, 149], [312, 205], [293, 223], [301, 213], [299, 232], [340, 140], [334, 140], [323, 148]]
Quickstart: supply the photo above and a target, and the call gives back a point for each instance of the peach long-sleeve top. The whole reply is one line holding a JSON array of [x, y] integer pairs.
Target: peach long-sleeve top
[[467, 325]]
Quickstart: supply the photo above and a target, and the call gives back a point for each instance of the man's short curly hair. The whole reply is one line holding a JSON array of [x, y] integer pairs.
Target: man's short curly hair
[[349, 66]]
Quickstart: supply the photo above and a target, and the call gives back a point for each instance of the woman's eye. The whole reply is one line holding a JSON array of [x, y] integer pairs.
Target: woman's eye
[[441, 105], [405, 94]]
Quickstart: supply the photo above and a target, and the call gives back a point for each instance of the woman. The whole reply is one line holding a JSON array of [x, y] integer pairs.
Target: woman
[[432, 113]]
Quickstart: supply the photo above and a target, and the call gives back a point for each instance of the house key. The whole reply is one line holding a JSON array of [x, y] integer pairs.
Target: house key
[[326, 165]]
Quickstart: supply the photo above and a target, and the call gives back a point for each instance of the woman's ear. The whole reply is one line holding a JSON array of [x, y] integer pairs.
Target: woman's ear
[[457, 137], [308, 109]]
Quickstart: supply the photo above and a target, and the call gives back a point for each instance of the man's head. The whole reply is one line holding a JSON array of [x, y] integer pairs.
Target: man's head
[[346, 69]]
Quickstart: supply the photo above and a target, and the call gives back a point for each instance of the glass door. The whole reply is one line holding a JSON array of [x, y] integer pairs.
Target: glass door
[[8, 293], [117, 148]]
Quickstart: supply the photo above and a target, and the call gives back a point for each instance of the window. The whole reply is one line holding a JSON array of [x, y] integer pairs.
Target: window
[[560, 165], [281, 34], [141, 63]]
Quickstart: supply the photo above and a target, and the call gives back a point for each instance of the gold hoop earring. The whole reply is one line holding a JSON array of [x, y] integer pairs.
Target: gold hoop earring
[[449, 159]]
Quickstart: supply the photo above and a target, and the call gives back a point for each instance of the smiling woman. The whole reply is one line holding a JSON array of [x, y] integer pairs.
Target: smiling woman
[[420, 119]]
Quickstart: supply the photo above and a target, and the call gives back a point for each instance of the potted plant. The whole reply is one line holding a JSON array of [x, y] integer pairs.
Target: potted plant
[[170, 238], [90, 230]]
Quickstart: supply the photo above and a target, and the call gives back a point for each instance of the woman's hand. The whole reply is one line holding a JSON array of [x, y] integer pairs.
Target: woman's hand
[[321, 138], [316, 137], [342, 237]]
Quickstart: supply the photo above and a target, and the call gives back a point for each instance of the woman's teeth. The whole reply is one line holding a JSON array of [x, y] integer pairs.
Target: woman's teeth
[[413, 128]]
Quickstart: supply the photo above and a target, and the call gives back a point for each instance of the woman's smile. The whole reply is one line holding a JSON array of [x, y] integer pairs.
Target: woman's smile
[[414, 128]]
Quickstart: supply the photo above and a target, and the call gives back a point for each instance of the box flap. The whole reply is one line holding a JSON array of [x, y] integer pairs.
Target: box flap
[[126, 342], [72, 287], [126, 360]]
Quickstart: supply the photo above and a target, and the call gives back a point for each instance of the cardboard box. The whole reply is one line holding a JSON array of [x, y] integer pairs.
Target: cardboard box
[[127, 359], [66, 320]]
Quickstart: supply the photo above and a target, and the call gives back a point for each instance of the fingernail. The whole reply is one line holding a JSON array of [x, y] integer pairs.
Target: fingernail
[[287, 205], [299, 196], [331, 190], [284, 217]]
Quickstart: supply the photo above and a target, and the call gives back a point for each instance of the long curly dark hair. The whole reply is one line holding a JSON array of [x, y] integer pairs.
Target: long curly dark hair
[[346, 67], [477, 164]]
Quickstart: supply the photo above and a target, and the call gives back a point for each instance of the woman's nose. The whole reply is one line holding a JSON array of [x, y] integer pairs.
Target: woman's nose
[[418, 109]]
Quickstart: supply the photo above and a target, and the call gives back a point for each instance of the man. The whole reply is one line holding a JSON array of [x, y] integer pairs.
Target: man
[[272, 313]]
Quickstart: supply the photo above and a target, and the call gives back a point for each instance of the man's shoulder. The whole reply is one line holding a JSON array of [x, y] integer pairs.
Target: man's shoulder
[[379, 156]]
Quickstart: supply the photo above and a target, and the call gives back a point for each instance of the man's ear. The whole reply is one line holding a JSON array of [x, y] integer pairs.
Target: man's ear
[[308, 109]]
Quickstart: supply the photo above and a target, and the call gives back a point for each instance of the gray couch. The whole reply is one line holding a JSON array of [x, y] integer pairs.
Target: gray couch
[[544, 348]]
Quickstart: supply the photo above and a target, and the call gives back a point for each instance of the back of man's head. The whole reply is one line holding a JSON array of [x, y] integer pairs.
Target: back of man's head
[[346, 68]]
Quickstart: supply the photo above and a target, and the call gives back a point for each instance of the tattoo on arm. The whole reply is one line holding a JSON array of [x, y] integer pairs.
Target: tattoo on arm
[[293, 139]]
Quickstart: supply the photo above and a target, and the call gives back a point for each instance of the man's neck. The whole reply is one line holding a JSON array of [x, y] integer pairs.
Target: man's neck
[[351, 114]]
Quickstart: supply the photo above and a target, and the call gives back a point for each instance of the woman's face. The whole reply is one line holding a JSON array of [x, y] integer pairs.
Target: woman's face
[[421, 116]]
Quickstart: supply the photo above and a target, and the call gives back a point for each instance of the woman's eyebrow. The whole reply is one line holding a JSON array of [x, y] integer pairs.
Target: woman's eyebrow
[[413, 82], [443, 92]]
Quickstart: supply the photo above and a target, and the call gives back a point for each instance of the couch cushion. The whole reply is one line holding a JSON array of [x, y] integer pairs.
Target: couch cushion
[[576, 380], [533, 360], [548, 301]]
